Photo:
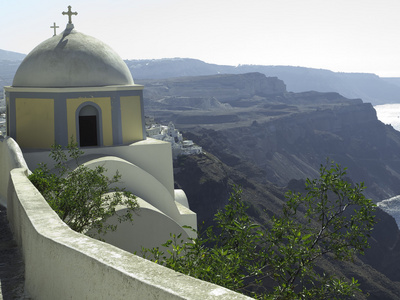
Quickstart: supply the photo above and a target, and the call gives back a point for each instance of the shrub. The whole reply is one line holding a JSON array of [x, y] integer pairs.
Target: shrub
[[277, 261], [83, 198]]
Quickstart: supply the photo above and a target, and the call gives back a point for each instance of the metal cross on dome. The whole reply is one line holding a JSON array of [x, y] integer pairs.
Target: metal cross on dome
[[55, 28], [69, 13]]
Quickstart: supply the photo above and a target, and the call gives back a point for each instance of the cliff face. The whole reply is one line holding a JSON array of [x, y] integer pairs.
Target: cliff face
[[251, 118], [294, 146], [205, 181], [225, 88], [281, 138]]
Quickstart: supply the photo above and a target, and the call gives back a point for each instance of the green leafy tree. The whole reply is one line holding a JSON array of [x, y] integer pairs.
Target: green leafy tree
[[277, 261], [83, 198]]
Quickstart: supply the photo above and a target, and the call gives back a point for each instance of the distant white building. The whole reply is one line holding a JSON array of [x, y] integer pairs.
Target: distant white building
[[172, 135], [2, 123], [2, 116], [189, 148]]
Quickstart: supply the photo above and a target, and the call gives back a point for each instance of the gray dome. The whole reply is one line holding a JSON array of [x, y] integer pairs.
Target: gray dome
[[72, 59]]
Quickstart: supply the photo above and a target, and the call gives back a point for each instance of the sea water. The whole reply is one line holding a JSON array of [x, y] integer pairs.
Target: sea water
[[392, 207], [390, 114]]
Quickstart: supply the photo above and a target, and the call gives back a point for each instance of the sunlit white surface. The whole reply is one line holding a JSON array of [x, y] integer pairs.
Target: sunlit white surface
[[389, 114]]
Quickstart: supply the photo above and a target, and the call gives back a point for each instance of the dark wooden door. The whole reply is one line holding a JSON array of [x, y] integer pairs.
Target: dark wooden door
[[88, 131]]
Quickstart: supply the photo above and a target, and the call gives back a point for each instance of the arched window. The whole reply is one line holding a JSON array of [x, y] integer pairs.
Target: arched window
[[88, 126]]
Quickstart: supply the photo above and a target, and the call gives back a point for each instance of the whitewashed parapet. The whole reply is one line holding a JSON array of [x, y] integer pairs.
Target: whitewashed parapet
[[10, 157], [63, 264]]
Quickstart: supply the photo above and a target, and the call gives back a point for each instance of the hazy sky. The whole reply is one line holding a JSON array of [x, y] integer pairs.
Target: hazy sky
[[339, 35]]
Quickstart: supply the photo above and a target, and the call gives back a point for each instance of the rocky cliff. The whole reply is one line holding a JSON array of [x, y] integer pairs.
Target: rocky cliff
[[175, 93], [269, 141], [283, 135], [293, 146]]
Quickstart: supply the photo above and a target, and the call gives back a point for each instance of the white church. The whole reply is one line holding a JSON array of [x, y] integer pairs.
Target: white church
[[73, 85]]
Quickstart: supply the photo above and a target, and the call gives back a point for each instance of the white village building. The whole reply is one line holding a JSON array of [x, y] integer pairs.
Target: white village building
[[174, 137], [2, 124], [2, 115]]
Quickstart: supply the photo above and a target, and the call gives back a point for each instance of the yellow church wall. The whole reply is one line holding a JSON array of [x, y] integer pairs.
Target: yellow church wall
[[35, 126], [131, 119], [105, 105]]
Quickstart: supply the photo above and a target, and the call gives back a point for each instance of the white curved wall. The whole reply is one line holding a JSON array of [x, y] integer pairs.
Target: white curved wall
[[139, 182], [151, 155], [159, 213], [146, 169], [181, 198], [10, 157], [150, 228]]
